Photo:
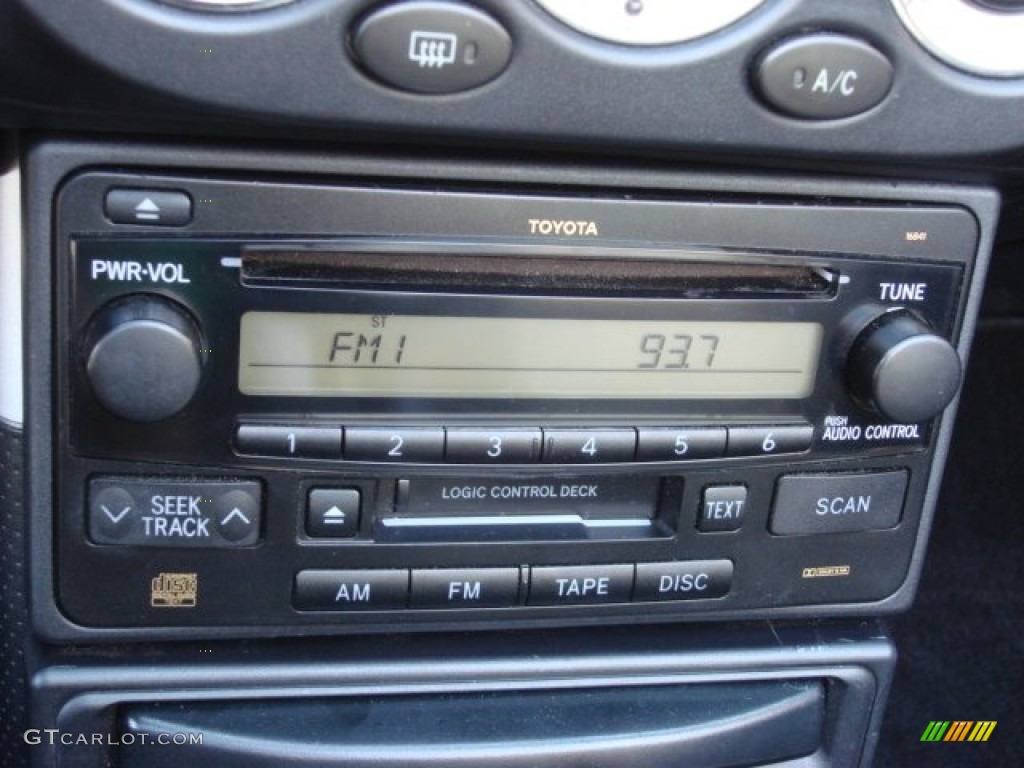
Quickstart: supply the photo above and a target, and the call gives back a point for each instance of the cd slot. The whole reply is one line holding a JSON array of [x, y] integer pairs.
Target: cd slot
[[524, 509], [565, 271], [572, 527]]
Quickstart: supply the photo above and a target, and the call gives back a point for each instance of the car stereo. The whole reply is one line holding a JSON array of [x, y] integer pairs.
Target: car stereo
[[334, 407]]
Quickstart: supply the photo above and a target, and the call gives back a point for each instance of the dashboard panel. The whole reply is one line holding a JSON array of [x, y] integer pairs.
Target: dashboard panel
[[507, 382]]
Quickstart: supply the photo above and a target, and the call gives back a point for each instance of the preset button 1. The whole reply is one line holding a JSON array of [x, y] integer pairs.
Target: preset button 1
[[292, 441]]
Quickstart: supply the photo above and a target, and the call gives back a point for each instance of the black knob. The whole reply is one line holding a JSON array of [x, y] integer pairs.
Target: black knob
[[898, 367], [143, 358]]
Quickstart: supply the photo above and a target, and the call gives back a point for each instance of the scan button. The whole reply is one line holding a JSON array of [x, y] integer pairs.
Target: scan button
[[838, 502]]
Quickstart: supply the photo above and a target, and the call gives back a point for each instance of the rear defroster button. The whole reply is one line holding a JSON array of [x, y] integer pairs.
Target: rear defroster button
[[432, 47]]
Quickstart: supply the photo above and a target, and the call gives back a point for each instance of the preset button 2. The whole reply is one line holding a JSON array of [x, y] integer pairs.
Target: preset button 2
[[394, 445]]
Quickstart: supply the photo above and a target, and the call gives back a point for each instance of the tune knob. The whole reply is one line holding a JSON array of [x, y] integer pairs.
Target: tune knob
[[900, 368], [143, 358]]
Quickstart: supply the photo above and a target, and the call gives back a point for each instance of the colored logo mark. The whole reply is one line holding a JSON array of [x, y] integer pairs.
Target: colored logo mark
[[958, 730]]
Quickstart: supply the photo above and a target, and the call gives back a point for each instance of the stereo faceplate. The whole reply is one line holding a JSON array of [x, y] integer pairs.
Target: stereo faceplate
[[191, 496]]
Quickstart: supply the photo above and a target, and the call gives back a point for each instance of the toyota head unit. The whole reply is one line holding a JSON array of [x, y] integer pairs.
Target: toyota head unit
[[295, 407]]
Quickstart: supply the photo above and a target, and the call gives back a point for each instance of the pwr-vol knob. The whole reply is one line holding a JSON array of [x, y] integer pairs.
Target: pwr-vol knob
[[143, 357], [898, 367]]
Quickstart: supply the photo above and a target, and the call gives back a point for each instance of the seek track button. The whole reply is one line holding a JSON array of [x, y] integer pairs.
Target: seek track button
[[190, 514], [237, 515]]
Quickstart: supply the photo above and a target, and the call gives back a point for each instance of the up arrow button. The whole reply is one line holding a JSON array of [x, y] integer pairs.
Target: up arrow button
[[237, 515]]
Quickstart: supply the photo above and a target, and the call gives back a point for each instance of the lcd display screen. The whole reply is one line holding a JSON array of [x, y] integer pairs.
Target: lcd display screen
[[295, 354]]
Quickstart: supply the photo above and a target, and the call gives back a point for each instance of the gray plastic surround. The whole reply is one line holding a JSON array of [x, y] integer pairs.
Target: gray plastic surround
[[288, 70], [853, 661]]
